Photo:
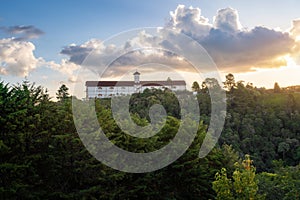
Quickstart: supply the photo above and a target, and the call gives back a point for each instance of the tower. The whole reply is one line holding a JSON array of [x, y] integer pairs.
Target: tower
[[136, 77]]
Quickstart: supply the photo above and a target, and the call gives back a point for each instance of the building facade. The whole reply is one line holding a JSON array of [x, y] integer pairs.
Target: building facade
[[108, 89]]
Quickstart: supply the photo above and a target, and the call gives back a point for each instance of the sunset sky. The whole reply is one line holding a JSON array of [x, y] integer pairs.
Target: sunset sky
[[46, 41]]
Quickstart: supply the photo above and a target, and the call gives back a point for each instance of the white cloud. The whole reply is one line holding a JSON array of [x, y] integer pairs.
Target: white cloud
[[142, 48], [233, 48], [65, 67], [295, 29], [189, 21], [246, 50], [17, 58], [227, 20], [295, 33]]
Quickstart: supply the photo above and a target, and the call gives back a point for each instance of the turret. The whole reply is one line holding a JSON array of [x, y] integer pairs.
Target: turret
[[136, 77]]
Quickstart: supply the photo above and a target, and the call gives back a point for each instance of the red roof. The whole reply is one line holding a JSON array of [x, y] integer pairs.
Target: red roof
[[131, 83]]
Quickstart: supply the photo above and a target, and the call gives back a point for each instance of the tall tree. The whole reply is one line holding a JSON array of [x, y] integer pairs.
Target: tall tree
[[204, 87], [277, 89], [212, 83], [229, 82], [62, 93], [196, 86]]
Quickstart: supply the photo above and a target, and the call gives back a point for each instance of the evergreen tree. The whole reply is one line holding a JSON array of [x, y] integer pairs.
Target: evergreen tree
[[229, 83], [62, 93], [195, 86], [277, 89]]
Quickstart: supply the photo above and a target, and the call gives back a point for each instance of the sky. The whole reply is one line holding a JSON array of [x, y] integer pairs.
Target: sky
[[47, 41]]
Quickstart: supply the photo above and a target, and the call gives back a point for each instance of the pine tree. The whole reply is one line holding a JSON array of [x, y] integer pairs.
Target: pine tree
[[62, 93], [195, 86], [277, 89]]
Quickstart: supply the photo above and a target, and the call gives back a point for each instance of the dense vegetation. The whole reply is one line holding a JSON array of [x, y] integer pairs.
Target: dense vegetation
[[42, 156]]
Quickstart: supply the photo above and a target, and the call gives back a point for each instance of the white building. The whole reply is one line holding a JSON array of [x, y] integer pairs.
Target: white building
[[107, 89]]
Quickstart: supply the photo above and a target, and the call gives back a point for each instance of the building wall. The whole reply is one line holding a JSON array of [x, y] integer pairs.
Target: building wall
[[108, 92]]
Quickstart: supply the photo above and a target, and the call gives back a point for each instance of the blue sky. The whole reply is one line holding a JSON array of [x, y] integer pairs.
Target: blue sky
[[77, 22]]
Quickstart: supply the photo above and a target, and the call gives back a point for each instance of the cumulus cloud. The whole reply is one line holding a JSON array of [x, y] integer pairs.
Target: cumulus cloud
[[23, 32], [78, 53], [295, 33], [132, 53], [98, 53], [232, 47], [246, 50], [65, 67], [295, 30], [189, 21], [17, 54], [227, 20], [17, 58]]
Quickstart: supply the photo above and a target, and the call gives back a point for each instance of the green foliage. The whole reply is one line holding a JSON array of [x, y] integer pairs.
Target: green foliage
[[42, 156], [140, 103], [263, 124], [223, 186], [243, 184], [284, 183]]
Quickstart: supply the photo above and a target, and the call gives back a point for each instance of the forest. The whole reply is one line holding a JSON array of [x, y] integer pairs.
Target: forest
[[256, 157]]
